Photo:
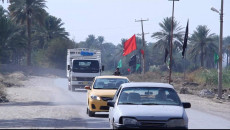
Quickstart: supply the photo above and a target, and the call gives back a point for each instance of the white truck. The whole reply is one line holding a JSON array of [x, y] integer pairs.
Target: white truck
[[83, 65]]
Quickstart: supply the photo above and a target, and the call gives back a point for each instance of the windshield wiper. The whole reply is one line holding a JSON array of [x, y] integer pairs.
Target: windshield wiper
[[150, 104], [130, 103]]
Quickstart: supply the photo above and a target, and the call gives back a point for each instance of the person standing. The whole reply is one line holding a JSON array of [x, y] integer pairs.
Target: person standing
[[117, 72]]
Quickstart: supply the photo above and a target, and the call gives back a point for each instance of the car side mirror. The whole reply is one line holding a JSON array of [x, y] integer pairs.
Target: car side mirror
[[186, 105], [103, 68], [110, 103], [87, 88]]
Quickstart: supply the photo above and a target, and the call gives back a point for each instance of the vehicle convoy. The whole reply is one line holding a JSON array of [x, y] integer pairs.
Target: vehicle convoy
[[102, 90], [83, 65], [147, 105]]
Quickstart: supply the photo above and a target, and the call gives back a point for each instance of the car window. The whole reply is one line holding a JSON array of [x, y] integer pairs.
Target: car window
[[109, 83], [149, 96], [116, 94]]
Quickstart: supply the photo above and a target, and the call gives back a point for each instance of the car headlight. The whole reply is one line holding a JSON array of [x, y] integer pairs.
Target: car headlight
[[129, 121], [176, 123], [95, 97], [74, 78]]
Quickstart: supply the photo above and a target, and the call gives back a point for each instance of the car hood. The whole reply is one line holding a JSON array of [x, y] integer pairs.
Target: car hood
[[151, 112], [104, 92]]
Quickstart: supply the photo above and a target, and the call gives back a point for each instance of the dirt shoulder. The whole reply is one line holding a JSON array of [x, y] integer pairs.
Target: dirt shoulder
[[39, 103], [212, 106]]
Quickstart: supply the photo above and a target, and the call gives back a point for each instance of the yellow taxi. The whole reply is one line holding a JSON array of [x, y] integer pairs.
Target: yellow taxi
[[102, 90]]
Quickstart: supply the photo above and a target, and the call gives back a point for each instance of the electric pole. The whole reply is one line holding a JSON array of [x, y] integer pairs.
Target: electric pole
[[220, 74], [171, 44], [143, 42]]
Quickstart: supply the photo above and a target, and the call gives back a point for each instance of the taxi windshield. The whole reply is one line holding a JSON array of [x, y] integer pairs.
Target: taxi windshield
[[109, 83]]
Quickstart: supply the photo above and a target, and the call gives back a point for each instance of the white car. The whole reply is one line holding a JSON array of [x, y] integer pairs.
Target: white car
[[147, 105]]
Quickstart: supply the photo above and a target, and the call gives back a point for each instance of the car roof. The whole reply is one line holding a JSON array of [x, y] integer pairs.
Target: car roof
[[147, 84], [110, 76]]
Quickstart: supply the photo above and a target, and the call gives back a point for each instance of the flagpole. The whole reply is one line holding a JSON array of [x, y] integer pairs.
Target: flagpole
[[184, 63]]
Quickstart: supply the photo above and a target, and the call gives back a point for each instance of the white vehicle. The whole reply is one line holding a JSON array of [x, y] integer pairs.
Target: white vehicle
[[147, 105], [83, 65]]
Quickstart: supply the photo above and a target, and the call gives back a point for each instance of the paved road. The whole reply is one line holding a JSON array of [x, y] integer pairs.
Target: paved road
[[197, 119], [47, 103], [100, 121]]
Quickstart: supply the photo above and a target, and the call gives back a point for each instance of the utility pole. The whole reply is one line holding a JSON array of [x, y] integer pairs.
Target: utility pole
[[143, 42], [220, 49], [220, 52], [171, 44]]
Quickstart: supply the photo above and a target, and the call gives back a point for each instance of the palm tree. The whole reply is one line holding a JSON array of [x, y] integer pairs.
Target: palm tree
[[11, 39], [52, 29], [226, 48], [164, 35], [26, 12], [202, 43]]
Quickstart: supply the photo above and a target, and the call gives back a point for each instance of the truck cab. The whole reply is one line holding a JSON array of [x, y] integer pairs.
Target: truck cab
[[82, 66]]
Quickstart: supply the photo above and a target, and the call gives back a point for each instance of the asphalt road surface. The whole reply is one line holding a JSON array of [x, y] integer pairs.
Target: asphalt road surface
[[47, 103], [100, 121], [197, 119]]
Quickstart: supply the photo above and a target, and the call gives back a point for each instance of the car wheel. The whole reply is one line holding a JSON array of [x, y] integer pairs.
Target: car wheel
[[87, 111], [113, 126], [91, 114]]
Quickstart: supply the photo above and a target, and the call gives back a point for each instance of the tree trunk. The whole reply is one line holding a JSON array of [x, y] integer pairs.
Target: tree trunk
[[202, 56], [29, 39]]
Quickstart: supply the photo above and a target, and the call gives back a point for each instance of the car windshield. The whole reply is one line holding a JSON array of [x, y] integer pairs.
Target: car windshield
[[109, 83], [149, 96], [86, 66]]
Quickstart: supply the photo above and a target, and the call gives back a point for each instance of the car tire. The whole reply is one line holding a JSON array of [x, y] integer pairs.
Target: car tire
[[90, 113], [87, 111], [113, 127], [72, 88]]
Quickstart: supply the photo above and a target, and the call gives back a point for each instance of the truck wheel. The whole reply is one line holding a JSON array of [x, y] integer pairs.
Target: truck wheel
[[72, 88], [69, 88], [91, 114]]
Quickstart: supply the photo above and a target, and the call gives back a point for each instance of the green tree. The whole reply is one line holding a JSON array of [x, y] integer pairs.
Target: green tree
[[164, 36], [203, 44], [226, 48], [25, 12], [52, 29], [57, 50], [10, 38]]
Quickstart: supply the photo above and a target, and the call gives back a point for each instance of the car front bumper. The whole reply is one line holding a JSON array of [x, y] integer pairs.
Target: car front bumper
[[121, 126], [98, 106]]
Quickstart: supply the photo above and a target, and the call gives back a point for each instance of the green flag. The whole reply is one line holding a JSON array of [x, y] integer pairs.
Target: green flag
[[137, 66], [216, 58], [119, 64]]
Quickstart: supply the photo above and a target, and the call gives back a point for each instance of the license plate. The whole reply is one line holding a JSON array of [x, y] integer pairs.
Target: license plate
[[85, 82]]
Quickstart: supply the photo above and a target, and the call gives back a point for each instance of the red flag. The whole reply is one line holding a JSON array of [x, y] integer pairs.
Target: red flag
[[130, 45], [142, 52]]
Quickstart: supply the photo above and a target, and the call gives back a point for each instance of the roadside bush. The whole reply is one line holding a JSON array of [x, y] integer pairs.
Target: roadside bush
[[209, 77]]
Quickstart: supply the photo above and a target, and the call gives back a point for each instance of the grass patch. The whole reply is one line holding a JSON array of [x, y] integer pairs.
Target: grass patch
[[209, 77]]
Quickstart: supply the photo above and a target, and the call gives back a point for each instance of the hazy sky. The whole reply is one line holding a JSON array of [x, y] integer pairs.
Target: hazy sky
[[115, 19]]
